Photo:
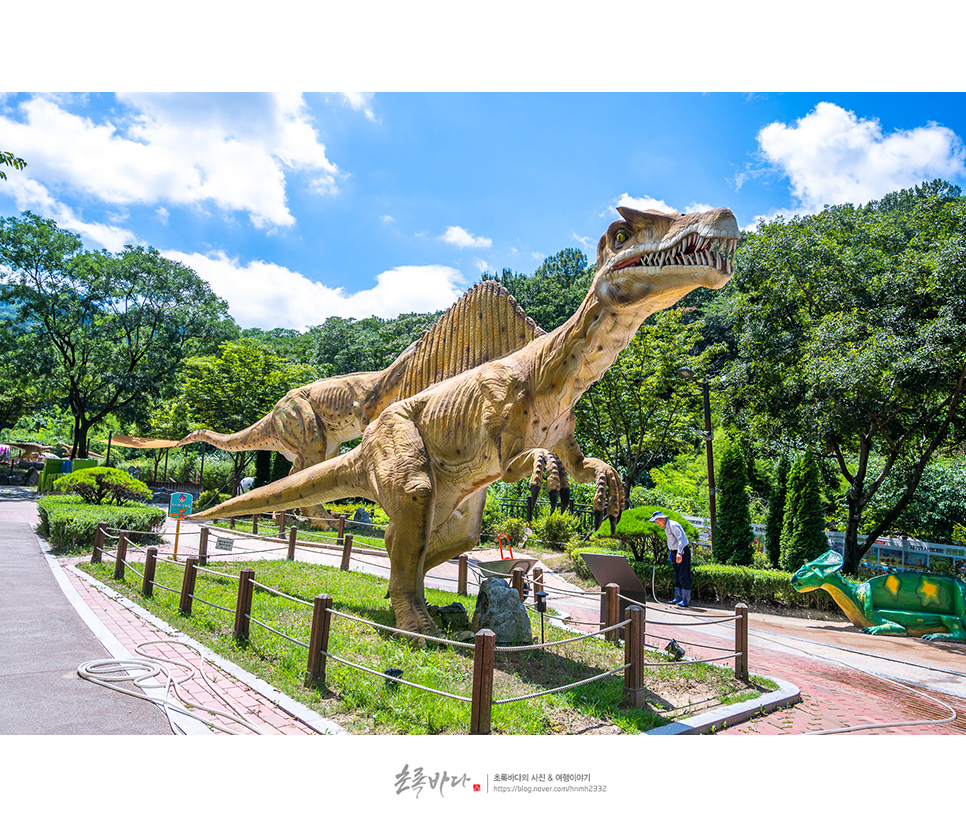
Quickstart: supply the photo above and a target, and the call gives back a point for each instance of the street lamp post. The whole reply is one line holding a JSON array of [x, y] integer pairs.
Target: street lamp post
[[687, 373]]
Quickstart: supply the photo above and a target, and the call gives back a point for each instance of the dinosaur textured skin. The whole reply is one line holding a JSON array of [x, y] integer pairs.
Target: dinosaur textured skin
[[309, 424], [927, 605], [425, 456]]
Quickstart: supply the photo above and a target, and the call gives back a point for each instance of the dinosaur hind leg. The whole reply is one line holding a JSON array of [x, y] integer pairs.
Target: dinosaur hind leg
[[405, 487]]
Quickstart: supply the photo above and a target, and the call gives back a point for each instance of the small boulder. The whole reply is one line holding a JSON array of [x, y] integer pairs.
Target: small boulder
[[452, 617], [500, 609]]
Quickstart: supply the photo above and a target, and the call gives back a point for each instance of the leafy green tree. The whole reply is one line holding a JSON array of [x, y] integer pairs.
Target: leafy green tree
[[7, 158], [851, 335], [108, 331], [554, 292], [345, 346], [776, 512], [232, 390], [803, 531], [734, 539], [98, 483], [641, 411]]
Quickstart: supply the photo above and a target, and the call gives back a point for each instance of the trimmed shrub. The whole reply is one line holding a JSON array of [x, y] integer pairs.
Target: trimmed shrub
[[556, 529], [98, 483], [776, 514], [734, 540], [643, 536], [803, 531], [66, 521], [513, 528]]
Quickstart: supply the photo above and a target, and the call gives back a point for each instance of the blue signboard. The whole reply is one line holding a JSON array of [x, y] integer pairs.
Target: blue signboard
[[180, 506]]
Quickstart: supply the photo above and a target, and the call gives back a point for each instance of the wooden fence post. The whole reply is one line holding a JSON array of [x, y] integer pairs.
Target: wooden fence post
[[741, 641], [346, 552], [319, 640], [462, 575], [255, 524], [121, 555], [537, 581], [611, 611], [341, 535], [293, 533], [634, 656], [99, 536], [150, 563], [517, 582], [203, 546], [243, 608], [483, 662], [231, 523], [188, 585], [281, 523]]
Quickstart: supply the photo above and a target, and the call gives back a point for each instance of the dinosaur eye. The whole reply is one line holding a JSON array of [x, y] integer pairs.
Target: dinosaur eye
[[620, 237]]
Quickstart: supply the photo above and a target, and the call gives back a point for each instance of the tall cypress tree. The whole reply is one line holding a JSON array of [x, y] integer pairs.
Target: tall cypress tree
[[734, 539], [280, 466], [803, 531], [776, 513]]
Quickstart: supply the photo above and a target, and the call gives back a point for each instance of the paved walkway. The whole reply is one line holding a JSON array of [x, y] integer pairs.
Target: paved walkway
[[842, 679]]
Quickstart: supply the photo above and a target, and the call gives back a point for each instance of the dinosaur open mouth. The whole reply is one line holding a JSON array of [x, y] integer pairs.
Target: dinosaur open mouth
[[692, 250]]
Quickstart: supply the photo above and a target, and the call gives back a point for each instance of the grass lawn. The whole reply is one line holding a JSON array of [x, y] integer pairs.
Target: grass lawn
[[363, 703]]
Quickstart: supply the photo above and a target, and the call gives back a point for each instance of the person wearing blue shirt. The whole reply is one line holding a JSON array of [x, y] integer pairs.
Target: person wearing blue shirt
[[679, 552]]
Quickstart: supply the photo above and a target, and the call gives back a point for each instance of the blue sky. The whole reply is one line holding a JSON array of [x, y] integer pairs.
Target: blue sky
[[298, 206]]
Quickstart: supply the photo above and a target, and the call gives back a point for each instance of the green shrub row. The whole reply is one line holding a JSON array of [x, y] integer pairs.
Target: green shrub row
[[713, 583], [67, 522]]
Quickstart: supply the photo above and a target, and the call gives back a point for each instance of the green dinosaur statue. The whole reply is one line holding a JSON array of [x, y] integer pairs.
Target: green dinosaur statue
[[906, 602], [424, 457]]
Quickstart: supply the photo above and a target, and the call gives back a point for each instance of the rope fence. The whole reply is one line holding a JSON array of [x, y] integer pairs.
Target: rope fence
[[629, 624]]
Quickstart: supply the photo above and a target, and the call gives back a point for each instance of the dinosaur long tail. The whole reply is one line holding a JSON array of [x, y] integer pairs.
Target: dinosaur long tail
[[341, 477], [257, 436]]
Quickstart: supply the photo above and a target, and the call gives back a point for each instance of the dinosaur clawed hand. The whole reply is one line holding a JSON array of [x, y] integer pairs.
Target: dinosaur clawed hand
[[558, 485], [608, 493]]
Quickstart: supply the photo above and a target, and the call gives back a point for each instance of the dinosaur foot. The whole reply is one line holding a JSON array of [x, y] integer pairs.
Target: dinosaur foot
[[412, 615], [953, 637]]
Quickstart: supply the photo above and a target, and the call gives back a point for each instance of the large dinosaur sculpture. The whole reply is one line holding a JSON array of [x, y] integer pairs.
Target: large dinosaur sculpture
[[424, 456], [928, 605], [309, 424]]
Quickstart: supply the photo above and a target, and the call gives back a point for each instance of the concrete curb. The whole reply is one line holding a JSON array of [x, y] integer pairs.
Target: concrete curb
[[321, 725], [727, 716]]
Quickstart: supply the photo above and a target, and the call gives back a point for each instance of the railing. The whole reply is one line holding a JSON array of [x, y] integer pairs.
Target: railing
[[484, 647], [884, 554]]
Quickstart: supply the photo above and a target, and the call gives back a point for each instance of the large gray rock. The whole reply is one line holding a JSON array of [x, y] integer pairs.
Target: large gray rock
[[499, 608]]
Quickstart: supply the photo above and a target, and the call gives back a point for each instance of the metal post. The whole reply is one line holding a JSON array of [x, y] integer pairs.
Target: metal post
[[293, 533], [483, 662], [150, 563], [319, 640], [741, 642]]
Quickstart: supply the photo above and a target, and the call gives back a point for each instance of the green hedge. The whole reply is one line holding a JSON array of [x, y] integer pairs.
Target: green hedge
[[713, 583], [67, 522]]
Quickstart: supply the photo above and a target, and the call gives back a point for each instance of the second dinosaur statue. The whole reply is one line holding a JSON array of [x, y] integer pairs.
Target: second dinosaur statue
[[425, 456]]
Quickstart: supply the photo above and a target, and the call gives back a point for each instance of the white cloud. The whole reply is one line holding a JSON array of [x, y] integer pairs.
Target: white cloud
[[231, 151], [360, 101], [832, 156], [458, 236], [645, 203], [266, 295]]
